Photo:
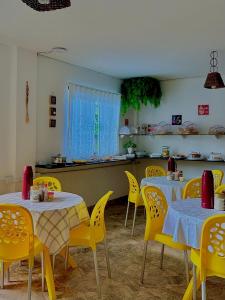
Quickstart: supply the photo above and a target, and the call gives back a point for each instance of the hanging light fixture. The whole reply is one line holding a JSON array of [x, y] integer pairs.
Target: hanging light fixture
[[214, 79], [47, 5]]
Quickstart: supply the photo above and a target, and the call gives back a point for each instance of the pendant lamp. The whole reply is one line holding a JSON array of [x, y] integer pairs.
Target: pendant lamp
[[47, 5], [214, 79]]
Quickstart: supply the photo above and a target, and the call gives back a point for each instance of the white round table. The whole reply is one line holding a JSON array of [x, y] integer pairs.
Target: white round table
[[172, 189], [184, 221], [53, 220]]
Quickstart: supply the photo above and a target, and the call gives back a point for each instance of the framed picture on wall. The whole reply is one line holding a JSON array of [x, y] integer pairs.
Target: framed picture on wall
[[52, 123], [203, 109], [52, 111], [52, 100], [176, 119]]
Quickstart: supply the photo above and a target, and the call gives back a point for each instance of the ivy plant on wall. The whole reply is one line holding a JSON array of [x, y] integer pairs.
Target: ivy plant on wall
[[138, 91]]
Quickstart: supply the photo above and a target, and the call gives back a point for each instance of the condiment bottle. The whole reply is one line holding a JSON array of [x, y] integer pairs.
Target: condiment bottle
[[207, 189], [45, 192], [27, 182]]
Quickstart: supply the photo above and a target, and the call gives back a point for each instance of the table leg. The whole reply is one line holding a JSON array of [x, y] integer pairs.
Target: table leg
[[189, 291], [71, 261], [49, 275]]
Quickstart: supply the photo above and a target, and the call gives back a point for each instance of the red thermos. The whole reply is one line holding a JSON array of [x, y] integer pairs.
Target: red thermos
[[27, 182], [207, 189], [172, 164]]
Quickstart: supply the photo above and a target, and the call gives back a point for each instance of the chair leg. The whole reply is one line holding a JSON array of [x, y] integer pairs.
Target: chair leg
[[29, 280], [53, 262], [162, 254], [194, 283], [96, 274], [128, 204], [186, 266], [42, 272], [134, 218], [204, 290], [107, 258], [144, 260], [2, 274]]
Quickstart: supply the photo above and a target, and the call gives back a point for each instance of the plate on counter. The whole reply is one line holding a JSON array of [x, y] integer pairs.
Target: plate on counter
[[195, 158]]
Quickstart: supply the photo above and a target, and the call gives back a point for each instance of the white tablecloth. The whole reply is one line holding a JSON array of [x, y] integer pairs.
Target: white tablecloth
[[184, 221], [53, 220], [171, 188]]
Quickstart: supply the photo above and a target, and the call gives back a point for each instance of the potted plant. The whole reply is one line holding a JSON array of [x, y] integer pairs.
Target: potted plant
[[129, 146]]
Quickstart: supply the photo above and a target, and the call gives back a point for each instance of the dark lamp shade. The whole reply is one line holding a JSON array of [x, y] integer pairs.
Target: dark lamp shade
[[53, 4], [214, 81]]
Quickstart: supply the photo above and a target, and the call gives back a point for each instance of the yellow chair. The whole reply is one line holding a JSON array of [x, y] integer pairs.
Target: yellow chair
[[156, 209], [17, 242], [193, 188], [53, 183], [92, 234], [210, 259], [134, 197], [154, 171], [218, 177], [220, 189]]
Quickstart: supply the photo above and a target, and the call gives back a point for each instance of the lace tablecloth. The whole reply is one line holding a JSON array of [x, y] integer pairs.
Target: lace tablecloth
[[184, 221], [171, 188], [53, 220]]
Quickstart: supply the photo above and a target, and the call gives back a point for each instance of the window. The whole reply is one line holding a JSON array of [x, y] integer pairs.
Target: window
[[91, 123]]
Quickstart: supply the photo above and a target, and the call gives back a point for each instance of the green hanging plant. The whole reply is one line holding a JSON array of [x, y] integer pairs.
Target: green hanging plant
[[138, 91]]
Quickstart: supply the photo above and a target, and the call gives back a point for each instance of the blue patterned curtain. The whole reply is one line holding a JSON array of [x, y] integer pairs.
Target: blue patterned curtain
[[91, 123]]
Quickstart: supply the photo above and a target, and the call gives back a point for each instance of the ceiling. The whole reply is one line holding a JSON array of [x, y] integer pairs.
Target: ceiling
[[124, 38]]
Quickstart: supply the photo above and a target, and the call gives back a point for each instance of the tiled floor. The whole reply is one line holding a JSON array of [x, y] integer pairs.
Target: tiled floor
[[126, 258]]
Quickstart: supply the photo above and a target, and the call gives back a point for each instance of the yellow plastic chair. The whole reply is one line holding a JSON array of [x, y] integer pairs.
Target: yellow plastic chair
[[52, 182], [210, 259], [134, 197], [17, 242], [193, 188], [156, 209], [218, 178], [89, 235], [220, 189], [154, 171]]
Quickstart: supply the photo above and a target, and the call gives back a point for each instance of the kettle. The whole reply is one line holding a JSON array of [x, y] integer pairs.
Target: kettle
[[207, 189], [172, 166]]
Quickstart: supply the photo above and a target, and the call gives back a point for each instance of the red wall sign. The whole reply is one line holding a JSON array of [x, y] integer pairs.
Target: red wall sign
[[203, 110]]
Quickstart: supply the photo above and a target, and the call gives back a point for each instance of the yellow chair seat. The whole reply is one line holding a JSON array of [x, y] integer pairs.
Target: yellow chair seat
[[80, 236], [167, 240]]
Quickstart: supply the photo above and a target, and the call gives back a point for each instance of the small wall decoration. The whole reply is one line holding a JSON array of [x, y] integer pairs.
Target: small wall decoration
[[52, 111], [52, 123], [52, 100], [27, 119], [176, 119], [203, 109]]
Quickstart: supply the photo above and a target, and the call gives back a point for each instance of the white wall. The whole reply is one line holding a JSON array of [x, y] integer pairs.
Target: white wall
[[182, 96], [53, 77]]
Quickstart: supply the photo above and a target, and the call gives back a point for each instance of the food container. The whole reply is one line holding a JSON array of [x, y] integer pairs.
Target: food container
[[165, 151], [163, 128], [188, 128], [215, 156], [219, 201], [217, 130], [34, 194]]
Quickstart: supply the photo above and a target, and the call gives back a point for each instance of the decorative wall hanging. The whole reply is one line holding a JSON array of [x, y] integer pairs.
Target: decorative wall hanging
[[140, 91], [214, 79], [52, 111], [203, 109], [176, 119], [47, 5], [27, 119]]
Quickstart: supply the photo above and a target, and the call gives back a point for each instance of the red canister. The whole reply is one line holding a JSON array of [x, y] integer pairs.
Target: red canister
[[172, 164], [207, 189], [27, 182]]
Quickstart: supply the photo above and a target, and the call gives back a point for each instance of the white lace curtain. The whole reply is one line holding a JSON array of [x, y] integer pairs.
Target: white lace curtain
[[91, 123]]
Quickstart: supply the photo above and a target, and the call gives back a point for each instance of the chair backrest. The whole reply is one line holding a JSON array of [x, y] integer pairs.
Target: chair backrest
[[212, 251], [134, 190], [193, 188], [217, 177], [156, 209], [52, 182], [220, 189], [16, 232], [154, 171], [97, 221]]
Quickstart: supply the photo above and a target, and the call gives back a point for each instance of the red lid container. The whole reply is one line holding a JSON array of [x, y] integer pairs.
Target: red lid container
[[27, 182], [207, 189]]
